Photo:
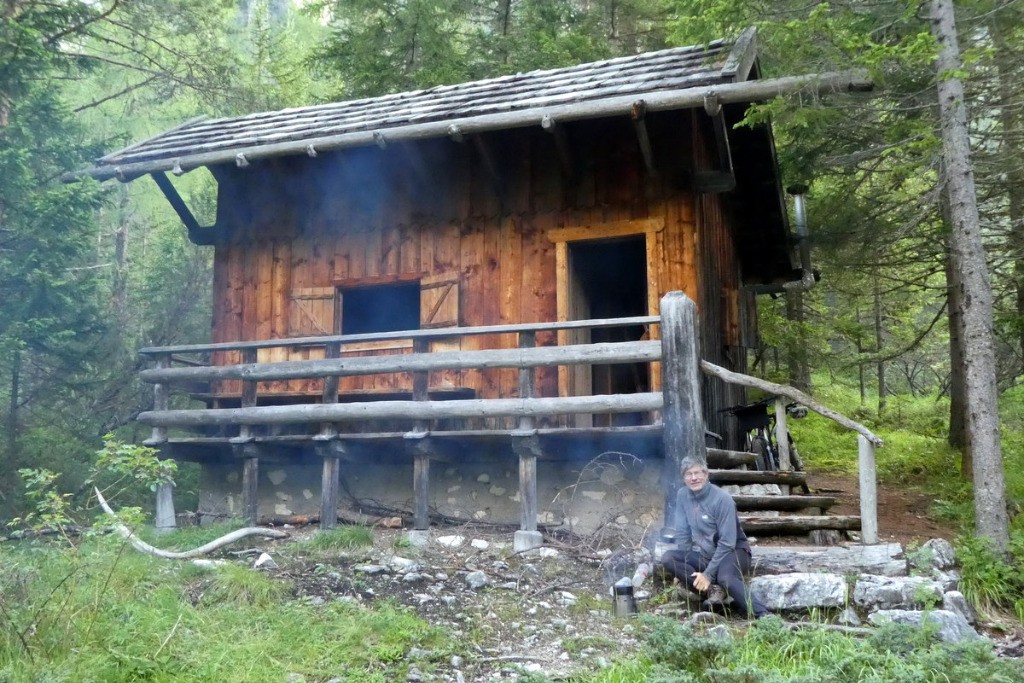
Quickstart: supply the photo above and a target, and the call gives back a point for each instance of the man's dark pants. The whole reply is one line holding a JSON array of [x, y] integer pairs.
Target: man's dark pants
[[730, 576]]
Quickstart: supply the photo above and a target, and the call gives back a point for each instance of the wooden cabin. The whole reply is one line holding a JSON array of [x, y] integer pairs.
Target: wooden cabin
[[581, 193]]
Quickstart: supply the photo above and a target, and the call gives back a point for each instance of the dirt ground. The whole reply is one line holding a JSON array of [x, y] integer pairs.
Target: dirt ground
[[902, 511]]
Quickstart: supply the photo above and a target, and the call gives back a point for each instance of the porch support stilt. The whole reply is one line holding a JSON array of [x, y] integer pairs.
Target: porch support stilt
[[250, 495], [683, 434], [527, 446], [165, 519], [419, 444], [329, 493]]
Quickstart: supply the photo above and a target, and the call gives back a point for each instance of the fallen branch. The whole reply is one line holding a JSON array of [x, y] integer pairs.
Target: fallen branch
[[144, 547]]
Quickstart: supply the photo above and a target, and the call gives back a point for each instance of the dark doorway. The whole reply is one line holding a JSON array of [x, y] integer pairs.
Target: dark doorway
[[609, 280]]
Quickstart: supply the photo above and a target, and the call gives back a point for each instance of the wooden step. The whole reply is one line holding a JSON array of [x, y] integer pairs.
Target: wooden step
[[782, 502], [797, 524], [743, 477], [723, 459]]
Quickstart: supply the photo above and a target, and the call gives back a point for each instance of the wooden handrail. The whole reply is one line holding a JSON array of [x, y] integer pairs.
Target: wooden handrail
[[441, 333]]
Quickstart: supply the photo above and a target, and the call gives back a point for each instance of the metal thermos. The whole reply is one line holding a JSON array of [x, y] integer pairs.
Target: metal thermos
[[625, 603]]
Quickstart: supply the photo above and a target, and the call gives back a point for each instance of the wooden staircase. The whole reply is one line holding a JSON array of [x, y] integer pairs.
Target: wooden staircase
[[782, 505]]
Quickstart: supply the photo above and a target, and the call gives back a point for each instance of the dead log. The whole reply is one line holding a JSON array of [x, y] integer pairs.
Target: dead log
[[224, 540]]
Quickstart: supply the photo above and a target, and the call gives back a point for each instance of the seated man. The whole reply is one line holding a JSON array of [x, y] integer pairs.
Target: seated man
[[712, 547]]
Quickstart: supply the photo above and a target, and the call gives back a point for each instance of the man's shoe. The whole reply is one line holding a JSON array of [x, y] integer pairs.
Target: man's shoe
[[716, 595]]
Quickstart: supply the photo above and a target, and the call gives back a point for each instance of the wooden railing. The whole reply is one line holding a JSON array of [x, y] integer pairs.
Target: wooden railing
[[678, 404]]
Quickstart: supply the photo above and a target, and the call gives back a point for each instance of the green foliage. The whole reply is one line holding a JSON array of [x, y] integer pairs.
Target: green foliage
[[239, 585], [991, 581]]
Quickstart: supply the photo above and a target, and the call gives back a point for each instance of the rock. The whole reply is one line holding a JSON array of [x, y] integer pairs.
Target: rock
[[953, 628], [566, 599], [265, 561], [848, 617], [942, 554], [295, 678], [414, 577], [480, 544], [950, 580], [419, 653], [547, 552], [706, 618], [894, 592], [418, 538], [720, 631], [370, 569], [455, 541], [456, 662], [799, 590], [883, 559], [954, 601], [403, 564], [476, 580], [414, 675], [484, 479]]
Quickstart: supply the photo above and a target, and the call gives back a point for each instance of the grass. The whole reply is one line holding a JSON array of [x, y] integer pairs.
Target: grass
[[103, 613], [342, 538]]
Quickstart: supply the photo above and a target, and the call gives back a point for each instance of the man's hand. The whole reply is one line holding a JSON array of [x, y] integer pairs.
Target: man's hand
[[700, 582]]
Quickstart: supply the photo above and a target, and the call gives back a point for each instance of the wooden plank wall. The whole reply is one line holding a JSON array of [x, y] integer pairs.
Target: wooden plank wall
[[375, 216]]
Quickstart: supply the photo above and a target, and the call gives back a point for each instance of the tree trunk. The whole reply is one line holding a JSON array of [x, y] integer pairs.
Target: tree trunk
[[879, 364], [799, 372], [969, 262], [957, 407], [12, 409]]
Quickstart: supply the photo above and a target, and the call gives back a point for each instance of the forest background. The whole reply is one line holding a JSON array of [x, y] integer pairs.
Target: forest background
[[89, 273]]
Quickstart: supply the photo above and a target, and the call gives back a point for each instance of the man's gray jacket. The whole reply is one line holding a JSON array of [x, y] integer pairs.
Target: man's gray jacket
[[706, 522]]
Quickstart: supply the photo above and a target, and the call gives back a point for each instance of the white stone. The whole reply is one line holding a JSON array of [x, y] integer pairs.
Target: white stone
[[954, 601], [277, 477], [476, 580], [883, 559], [264, 561], [281, 495], [799, 590], [943, 555], [455, 541], [498, 490], [453, 488], [547, 552], [480, 514], [953, 628], [523, 541], [889, 592], [595, 495], [546, 517], [307, 494], [514, 497], [480, 544], [484, 479], [282, 509], [403, 564], [622, 519]]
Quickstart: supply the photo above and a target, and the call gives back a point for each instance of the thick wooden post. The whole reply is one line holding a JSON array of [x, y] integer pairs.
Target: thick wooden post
[[330, 392], [868, 491], [683, 434], [526, 445], [161, 399]]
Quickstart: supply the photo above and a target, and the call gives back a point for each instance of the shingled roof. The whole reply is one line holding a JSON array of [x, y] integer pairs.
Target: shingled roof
[[584, 91]]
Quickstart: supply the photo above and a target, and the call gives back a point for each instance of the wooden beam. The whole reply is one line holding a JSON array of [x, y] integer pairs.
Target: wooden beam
[[528, 357], [637, 114], [683, 435], [557, 133], [196, 233], [414, 410], [161, 398], [796, 524]]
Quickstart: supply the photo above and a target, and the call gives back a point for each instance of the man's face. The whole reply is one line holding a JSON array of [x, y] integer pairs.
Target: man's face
[[695, 478]]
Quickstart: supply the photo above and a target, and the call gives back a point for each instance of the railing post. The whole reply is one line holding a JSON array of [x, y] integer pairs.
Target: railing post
[[527, 379], [161, 398], [683, 415], [782, 440], [868, 492]]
